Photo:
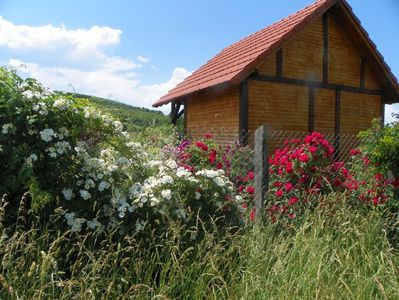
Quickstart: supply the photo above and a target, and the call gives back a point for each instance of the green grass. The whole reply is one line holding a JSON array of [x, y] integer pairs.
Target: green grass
[[334, 253]]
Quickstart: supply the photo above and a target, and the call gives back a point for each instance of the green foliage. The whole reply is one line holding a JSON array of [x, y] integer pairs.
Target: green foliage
[[133, 118], [381, 145]]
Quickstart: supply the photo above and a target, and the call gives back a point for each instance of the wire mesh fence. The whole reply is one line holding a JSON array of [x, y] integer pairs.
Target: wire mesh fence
[[341, 143], [245, 157]]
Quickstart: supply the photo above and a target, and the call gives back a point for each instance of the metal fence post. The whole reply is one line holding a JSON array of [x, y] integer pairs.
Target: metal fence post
[[261, 163]]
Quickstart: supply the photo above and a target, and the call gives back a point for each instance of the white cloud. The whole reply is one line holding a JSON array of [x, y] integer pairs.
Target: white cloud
[[389, 109], [83, 63], [102, 83], [143, 59], [24, 37]]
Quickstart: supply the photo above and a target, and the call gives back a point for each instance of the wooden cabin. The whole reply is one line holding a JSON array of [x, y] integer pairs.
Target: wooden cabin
[[316, 70]]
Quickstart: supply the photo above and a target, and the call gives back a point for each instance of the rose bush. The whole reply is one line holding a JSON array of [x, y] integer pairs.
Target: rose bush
[[81, 162], [234, 159], [305, 169]]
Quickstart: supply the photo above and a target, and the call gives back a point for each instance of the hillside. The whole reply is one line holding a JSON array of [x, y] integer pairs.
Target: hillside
[[135, 118]]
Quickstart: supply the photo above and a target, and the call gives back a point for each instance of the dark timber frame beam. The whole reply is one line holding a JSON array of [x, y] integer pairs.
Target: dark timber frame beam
[[362, 73], [337, 134], [243, 113], [176, 113], [311, 109], [315, 84], [325, 49]]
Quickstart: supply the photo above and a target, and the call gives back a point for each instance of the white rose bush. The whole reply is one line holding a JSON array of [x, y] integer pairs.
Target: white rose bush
[[93, 173]]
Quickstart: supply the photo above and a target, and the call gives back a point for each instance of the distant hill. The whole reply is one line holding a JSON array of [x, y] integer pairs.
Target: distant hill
[[135, 118]]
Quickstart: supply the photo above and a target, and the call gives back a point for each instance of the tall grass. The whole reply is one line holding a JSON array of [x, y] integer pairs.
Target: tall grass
[[333, 253]]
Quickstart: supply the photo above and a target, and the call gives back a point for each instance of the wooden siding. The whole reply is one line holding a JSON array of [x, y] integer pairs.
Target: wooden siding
[[371, 79], [357, 111], [281, 106], [344, 59], [303, 55], [324, 116], [268, 66], [215, 112]]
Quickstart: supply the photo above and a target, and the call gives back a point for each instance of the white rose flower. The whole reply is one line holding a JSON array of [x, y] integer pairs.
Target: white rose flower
[[6, 128], [69, 218], [167, 179], [85, 194], [68, 194], [171, 164], [103, 185], [219, 181], [47, 134], [167, 194]]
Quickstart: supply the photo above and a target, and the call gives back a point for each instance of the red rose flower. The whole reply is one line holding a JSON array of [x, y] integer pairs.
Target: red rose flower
[[201, 146], [303, 157], [212, 156], [293, 200], [312, 149], [279, 193], [219, 166], [289, 186], [250, 190]]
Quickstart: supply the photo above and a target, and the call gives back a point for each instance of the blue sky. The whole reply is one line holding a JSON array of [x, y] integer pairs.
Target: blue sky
[[134, 51]]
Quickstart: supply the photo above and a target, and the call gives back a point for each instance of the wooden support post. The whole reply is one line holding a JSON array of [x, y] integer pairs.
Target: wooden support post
[[362, 73], [185, 117], [243, 114], [279, 63], [337, 123], [382, 111], [311, 110], [261, 162], [325, 49]]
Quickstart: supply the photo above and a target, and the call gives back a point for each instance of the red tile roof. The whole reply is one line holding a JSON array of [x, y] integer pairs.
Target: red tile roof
[[235, 62]]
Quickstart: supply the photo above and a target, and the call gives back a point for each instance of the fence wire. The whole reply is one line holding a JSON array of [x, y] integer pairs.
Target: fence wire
[[341, 143]]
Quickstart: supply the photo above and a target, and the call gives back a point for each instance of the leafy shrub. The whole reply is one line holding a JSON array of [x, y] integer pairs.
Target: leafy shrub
[[84, 163], [381, 145], [234, 159]]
